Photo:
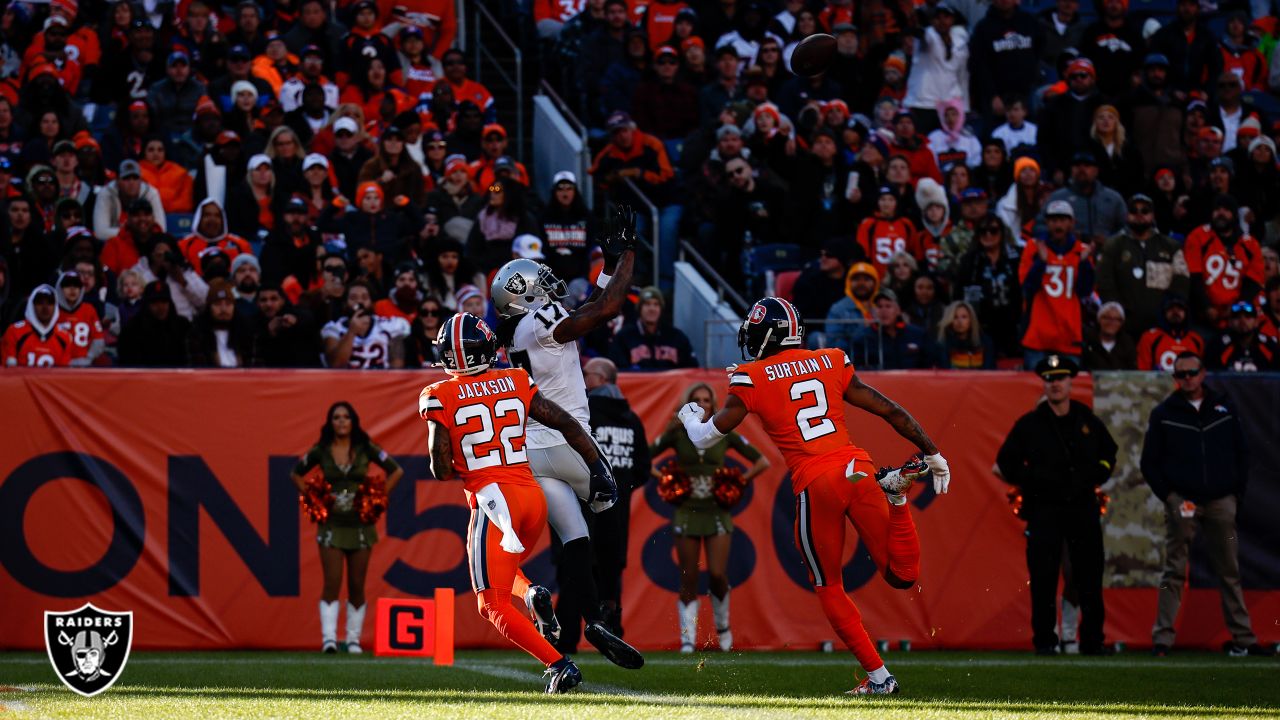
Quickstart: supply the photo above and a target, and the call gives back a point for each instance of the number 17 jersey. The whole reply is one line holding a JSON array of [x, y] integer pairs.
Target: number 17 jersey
[[799, 396], [554, 366]]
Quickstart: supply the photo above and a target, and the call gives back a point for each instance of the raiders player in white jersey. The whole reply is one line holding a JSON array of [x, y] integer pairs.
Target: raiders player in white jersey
[[541, 336], [377, 342]]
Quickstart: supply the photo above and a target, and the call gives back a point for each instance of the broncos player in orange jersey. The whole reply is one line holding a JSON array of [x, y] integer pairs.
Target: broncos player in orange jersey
[[477, 422], [799, 396]]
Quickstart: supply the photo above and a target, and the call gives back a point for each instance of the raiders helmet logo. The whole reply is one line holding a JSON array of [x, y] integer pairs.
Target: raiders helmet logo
[[757, 314], [88, 647], [516, 285]]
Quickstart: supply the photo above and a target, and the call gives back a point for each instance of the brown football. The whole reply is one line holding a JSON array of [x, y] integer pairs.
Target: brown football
[[813, 55]]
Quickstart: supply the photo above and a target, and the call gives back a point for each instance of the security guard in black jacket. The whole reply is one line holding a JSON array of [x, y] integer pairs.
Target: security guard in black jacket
[[1058, 455]]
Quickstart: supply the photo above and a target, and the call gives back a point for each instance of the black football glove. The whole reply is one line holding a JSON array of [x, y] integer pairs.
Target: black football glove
[[604, 490], [619, 234]]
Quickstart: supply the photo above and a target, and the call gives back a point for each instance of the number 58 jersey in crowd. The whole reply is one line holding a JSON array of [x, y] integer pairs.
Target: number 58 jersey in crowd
[[486, 416], [799, 397]]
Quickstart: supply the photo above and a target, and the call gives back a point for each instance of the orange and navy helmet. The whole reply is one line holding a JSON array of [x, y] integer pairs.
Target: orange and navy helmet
[[772, 324], [466, 345]]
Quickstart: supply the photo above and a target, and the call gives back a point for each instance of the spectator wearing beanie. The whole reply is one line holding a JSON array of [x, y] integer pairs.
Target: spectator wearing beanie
[[1107, 346], [485, 170], [1066, 119], [1220, 245], [1153, 115], [1171, 336], [174, 99], [649, 343], [914, 147], [568, 228], [246, 278], [454, 197]]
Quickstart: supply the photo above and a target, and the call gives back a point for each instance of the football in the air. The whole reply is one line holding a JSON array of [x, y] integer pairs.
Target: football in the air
[[813, 55]]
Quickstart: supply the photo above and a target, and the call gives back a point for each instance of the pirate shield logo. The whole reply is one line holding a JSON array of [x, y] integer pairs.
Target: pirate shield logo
[[88, 647]]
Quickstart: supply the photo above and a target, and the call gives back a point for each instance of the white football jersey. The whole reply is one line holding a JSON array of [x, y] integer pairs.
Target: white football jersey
[[372, 350], [555, 367]]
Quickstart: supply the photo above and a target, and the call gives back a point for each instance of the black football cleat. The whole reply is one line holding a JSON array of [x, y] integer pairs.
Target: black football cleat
[[538, 600], [614, 648], [563, 676]]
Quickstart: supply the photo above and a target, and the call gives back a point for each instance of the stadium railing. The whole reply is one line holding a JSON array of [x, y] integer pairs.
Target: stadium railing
[[488, 34], [655, 231], [559, 143], [704, 300]]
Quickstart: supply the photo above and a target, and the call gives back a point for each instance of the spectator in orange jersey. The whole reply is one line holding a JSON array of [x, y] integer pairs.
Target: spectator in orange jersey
[[1225, 263], [464, 88], [493, 142], [1242, 348], [170, 179], [79, 320], [885, 234], [1056, 274], [935, 215], [36, 340], [1240, 54], [125, 249]]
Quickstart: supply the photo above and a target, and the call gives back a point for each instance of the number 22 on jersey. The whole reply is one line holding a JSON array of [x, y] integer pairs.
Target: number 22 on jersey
[[494, 436]]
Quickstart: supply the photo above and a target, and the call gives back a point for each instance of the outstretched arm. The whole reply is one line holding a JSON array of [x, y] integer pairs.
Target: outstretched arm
[[553, 416], [619, 241], [863, 396], [705, 433], [441, 451]]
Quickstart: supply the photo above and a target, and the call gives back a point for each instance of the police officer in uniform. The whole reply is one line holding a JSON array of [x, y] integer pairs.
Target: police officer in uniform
[[1057, 455]]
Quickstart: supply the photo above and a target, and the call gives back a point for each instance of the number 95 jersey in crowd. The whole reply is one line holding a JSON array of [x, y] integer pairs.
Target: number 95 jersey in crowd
[[555, 367], [485, 415], [799, 397]]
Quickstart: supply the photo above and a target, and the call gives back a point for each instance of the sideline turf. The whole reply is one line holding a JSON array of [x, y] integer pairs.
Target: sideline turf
[[502, 685]]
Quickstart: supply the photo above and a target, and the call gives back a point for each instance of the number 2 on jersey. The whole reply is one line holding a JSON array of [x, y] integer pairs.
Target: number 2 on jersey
[[806, 416], [503, 454]]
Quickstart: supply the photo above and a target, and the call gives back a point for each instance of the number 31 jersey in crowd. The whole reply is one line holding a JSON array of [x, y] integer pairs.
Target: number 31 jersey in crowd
[[799, 396], [486, 416], [555, 367]]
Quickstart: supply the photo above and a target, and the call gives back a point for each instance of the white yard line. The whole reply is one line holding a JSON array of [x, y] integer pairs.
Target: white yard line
[[506, 672]]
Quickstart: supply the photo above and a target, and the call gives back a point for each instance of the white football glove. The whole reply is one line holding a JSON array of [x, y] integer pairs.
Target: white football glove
[[941, 473], [691, 415]]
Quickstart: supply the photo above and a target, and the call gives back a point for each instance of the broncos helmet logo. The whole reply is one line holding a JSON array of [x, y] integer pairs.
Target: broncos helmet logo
[[757, 314]]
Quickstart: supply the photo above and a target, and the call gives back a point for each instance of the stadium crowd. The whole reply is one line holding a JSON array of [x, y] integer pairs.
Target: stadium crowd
[[969, 185]]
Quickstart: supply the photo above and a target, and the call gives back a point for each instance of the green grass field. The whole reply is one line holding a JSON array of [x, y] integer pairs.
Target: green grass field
[[502, 685]]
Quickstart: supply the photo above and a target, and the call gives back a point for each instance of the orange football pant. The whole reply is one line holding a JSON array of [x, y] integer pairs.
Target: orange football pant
[[822, 510], [495, 573]]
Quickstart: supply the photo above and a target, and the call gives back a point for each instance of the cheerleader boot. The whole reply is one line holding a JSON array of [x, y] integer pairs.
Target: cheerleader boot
[[688, 624], [329, 626], [720, 611], [355, 626]]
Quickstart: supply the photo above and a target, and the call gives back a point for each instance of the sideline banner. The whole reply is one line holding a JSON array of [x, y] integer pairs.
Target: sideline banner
[[167, 493]]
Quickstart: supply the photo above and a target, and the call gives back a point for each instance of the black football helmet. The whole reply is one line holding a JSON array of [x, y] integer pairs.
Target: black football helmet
[[772, 324], [466, 345]]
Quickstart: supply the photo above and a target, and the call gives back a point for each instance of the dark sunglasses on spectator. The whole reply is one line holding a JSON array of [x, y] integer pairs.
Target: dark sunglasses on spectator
[[335, 269], [1141, 210], [1184, 374], [433, 312], [1243, 307], [990, 230], [344, 133]]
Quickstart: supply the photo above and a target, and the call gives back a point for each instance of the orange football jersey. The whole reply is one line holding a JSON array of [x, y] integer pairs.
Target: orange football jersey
[[1055, 323], [485, 415], [83, 326], [799, 396], [22, 346], [1223, 269], [1158, 348]]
